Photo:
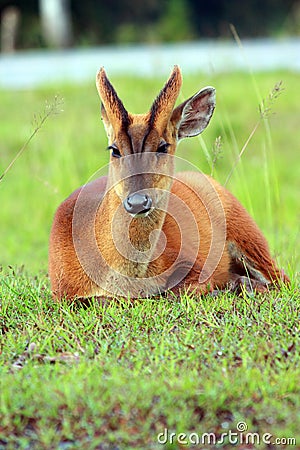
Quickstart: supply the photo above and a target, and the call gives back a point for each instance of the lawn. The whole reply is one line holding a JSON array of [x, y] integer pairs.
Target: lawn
[[129, 374]]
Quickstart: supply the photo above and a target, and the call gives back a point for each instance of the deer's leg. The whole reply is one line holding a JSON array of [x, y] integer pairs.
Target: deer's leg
[[253, 263], [240, 283]]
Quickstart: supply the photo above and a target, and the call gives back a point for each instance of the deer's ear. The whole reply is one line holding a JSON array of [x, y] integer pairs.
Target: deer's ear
[[192, 116]]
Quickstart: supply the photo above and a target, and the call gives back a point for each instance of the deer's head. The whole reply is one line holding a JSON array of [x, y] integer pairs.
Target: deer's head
[[142, 145]]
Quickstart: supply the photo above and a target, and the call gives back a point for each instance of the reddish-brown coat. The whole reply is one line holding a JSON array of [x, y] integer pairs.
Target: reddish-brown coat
[[231, 246]]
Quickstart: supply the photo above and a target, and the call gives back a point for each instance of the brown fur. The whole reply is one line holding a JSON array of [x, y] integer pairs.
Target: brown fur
[[98, 249]]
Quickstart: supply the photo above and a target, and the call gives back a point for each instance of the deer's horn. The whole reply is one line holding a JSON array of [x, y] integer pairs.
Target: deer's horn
[[163, 105], [111, 103]]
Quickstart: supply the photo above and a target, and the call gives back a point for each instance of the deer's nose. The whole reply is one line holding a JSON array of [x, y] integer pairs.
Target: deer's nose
[[137, 203]]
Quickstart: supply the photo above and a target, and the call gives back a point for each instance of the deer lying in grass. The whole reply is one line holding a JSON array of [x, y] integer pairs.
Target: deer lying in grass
[[143, 230]]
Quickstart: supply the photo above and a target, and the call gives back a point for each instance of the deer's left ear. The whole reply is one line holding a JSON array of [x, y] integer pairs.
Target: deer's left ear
[[192, 116]]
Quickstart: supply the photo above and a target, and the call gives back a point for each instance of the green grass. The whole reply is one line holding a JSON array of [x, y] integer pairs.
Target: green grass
[[122, 373], [115, 376]]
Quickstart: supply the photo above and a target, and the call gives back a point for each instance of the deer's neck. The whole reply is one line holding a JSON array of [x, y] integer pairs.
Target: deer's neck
[[128, 243]]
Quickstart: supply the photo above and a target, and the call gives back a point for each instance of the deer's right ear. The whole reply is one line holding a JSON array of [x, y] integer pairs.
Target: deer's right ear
[[192, 116]]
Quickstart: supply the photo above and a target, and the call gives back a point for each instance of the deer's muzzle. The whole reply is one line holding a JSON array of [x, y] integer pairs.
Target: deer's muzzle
[[137, 203]]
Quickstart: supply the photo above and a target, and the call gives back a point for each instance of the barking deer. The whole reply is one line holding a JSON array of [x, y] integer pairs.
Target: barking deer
[[143, 229]]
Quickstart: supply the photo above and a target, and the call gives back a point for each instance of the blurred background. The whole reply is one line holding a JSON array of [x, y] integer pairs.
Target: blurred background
[[143, 37], [64, 23]]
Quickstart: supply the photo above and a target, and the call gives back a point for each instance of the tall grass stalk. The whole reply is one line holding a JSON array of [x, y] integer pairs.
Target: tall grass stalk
[[39, 120]]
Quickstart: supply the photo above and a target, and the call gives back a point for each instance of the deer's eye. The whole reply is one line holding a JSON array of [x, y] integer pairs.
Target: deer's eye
[[163, 147], [115, 152]]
